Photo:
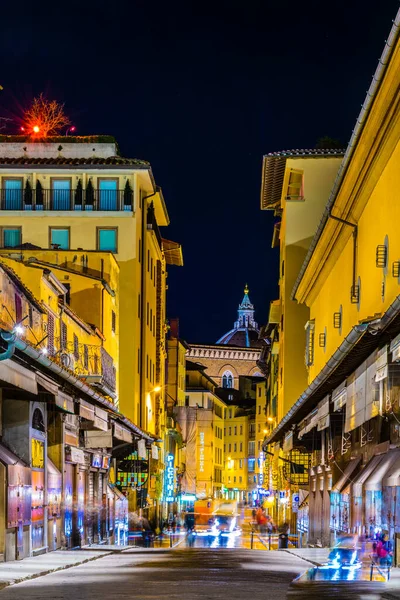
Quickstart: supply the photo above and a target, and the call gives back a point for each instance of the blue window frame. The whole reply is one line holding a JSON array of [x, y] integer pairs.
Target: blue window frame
[[60, 237], [13, 192], [61, 194], [107, 240], [11, 237], [108, 194]]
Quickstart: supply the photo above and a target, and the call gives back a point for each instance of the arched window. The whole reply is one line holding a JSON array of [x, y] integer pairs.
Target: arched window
[[227, 380], [37, 420]]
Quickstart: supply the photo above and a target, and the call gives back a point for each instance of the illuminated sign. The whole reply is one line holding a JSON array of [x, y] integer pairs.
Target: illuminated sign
[[37, 454], [170, 479], [201, 452], [97, 461]]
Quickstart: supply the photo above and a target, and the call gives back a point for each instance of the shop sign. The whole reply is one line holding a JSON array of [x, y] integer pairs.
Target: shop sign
[[97, 461], [264, 492], [170, 479], [201, 452], [295, 502], [154, 452], [74, 455], [37, 454], [106, 462]]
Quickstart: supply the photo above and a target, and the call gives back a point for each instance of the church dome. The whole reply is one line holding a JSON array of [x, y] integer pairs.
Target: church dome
[[245, 330]]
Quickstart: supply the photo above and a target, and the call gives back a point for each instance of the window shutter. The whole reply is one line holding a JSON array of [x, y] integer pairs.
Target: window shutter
[[50, 334], [85, 357], [76, 347], [63, 336], [18, 308]]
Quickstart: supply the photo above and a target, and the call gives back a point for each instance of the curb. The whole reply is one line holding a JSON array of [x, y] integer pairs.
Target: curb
[[4, 584], [312, 562]]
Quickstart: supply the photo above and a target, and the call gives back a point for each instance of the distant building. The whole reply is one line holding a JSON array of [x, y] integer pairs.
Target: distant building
[[236, 353]]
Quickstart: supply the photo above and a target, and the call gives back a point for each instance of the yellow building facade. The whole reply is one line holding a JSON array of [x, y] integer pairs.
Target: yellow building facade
[[82, 199]]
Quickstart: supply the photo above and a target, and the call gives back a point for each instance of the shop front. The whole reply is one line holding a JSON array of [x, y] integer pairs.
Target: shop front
[[54, 496], [16, 488], [340, 499]]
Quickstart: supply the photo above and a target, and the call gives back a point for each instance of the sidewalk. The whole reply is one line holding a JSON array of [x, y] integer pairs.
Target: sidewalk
[[36, 566], [318, 556]]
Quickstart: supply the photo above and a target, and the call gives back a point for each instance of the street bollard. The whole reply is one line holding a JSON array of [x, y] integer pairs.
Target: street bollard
[[251, 540], [269, 542]]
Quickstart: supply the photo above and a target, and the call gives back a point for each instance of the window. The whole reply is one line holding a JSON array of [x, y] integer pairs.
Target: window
[[147, 313], [252, 448], [234, 447], [148, 261], [234, 479], [18, 308], [240, 479], [259, 409], [230, 430], [138, 360], [259, 428], [230, 413], [241, 463], [151, 319], [151, 268], [154, 325], [113, 321], [227, 380], [140, 251], [259, 445], [108, 193], [61, 194], [309, 356], [76, 347], [107, 239], [147, 366], [241, 429], [12, 193], [64, 335], [224, 430], [235, 430], [229, 447], [139, 306], [295, 190], [59, 238], [11, 237], [186, 400], [85, 357], [241, 446], [251, 465]]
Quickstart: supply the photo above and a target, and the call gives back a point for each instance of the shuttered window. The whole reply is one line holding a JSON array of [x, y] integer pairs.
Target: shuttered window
[[18, 308], [76, 347], [85, 357], [63, 336], [50, 334], [113, 321]]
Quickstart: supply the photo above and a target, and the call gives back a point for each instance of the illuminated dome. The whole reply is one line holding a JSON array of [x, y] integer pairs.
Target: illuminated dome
[[245, 330]]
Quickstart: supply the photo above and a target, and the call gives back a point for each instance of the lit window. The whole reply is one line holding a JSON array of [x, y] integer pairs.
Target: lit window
[[107, 240], [295, 189], [227, 380], [59, 238]]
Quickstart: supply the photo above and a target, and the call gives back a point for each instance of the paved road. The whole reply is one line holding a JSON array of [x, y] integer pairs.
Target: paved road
[[184, 574]]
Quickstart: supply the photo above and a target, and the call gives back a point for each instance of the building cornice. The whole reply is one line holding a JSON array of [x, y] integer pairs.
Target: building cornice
[[197, 351]]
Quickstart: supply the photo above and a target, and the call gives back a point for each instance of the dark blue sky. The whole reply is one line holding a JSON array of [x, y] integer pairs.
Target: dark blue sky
[[202, 90]]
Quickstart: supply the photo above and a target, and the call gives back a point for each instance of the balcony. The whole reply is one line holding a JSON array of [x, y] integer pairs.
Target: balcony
[[66, 200]]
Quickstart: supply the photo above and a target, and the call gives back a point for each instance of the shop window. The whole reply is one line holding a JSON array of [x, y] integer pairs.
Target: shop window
[[37, 420]]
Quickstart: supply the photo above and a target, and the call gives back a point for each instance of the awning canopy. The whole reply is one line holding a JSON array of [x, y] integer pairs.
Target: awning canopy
[[392, 477], [172, 252], [346, 475], [339, 396], [374, 481], [15, 374], [359, 482], [353, 351]]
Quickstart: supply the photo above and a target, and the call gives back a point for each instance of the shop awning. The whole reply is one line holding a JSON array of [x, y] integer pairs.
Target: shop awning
[[323, 414], [374, 482], [346, 475], [172, 252], [392, 477], [359, 482], [8, 458], [308, 423], [15, 374], [339, 396]]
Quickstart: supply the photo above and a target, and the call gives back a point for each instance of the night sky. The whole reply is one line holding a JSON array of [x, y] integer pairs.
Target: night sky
[[201, 90]]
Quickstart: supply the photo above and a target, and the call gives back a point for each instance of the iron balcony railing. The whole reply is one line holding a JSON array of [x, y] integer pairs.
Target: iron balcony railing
[[63, 200]]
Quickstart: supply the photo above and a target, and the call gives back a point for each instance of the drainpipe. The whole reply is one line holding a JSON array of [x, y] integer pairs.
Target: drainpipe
[[142, 304], [9, 337]]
